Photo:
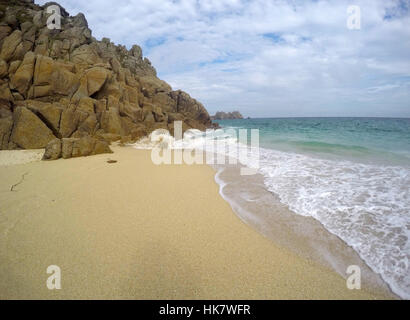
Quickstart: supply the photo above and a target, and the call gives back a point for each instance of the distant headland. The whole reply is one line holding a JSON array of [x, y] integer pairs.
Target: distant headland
[[227, 115]]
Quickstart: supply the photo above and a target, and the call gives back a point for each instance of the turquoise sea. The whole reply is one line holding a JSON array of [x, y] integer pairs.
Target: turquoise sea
[[372, 140], [352, 175]]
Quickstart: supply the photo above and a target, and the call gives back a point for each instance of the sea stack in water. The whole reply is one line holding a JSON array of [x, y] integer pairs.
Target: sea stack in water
[[64, 84]]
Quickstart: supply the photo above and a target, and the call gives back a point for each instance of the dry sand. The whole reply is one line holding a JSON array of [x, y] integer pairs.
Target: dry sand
[[133, 230]]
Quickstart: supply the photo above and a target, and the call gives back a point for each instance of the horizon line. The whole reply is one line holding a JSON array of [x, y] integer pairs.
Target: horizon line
[[319, 117]]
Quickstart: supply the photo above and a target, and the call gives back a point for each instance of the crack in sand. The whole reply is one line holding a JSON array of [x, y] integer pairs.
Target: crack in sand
[[18, 183]]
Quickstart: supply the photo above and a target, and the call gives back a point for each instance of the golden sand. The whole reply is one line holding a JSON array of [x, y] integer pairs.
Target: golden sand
[[133, 230]]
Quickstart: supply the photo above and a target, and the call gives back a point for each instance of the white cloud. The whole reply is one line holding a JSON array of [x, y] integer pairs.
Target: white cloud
[[267, 57]]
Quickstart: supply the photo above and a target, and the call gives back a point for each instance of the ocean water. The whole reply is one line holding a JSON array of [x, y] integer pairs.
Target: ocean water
[[350, 174]]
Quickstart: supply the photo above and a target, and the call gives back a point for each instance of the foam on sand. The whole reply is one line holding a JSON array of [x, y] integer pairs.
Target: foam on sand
[[14, 157]]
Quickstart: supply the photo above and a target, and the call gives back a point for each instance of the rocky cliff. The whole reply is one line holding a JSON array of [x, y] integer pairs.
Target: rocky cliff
[[65, 87], [225, 116]]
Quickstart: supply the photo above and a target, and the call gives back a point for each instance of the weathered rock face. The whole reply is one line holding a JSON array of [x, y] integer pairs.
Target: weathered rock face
[[53, 150], [6, 125], [72, 148], [21, 80], [29, 132], [64, 84]]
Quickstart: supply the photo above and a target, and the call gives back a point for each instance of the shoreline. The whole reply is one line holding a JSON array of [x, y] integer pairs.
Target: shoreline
[[133, 230], [305, 236]]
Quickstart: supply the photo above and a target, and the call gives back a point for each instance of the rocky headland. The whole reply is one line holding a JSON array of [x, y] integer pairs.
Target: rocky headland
[[227, 115], [67, 91]]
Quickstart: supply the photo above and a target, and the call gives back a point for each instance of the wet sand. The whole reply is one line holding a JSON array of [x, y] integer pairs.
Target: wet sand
[[305, 236], [133, 230]]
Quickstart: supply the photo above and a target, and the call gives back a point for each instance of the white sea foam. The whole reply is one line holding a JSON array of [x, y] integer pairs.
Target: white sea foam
[[367, 206]]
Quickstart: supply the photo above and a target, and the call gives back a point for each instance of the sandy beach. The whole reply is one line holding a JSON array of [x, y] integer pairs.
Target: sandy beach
[[133, 230]]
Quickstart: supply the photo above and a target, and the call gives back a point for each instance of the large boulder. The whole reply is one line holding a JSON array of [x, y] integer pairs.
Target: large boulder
[[53, 150], [87, 146], [64, 82], [85, 55], [111, 121], [11, 45], [21, 80], [49, 113], [43, 70], [52, 77], [70, 119], [82, 34], [88, 126], [86, 105], [151, 85], [14, 65], [91, 82], [67, 147], [29, 132], [111, 88], [96, 78], [82, 90]]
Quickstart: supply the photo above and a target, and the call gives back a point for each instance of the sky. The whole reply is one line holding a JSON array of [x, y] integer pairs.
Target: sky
[[269, 58]]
